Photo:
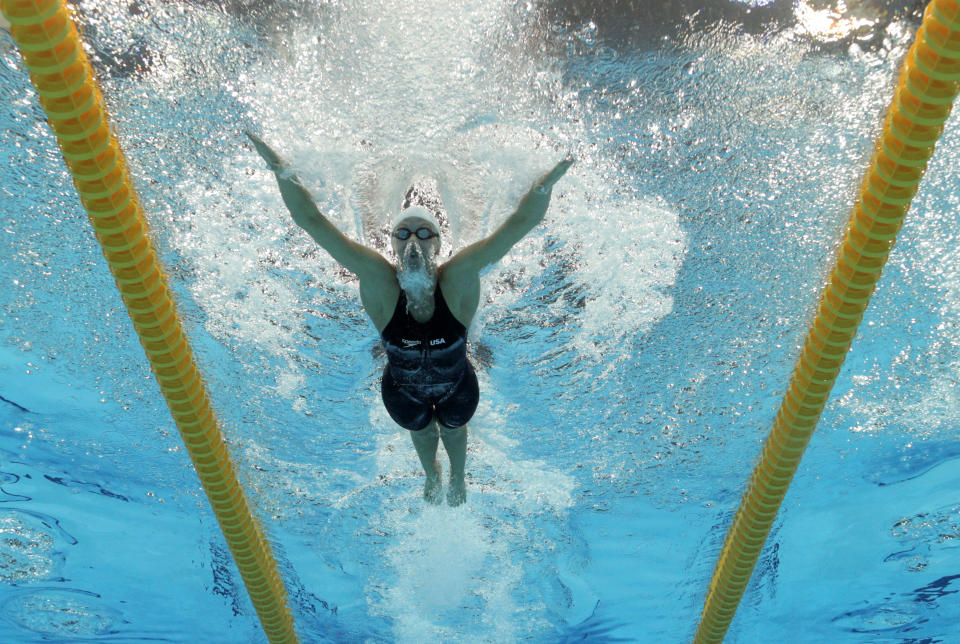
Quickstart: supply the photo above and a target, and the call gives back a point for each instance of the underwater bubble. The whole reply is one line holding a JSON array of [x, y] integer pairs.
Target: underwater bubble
[[28, 548], [940, 526], [890, 617], [927, 536], [60, 613]]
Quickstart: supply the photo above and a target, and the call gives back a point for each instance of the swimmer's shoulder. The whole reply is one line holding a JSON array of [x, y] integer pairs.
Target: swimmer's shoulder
[[379, 293], [461, 291]]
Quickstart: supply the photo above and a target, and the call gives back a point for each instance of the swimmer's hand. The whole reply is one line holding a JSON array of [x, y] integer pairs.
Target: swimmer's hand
[[545, 184], [537, 199], [274, 162]]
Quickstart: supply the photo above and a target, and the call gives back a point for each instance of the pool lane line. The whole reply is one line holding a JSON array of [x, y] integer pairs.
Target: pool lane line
[[61, 73], [928, 84]]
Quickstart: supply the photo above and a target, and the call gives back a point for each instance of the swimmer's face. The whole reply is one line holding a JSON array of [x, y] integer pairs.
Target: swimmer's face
[[413, 249]]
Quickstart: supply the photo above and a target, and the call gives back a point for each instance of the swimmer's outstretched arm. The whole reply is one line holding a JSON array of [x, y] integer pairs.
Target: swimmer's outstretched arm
[[460, 276], [378, 278], [528, 215], [355, 257]]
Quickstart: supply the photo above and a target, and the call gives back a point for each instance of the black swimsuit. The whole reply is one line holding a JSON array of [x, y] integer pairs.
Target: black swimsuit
[[428, 374]]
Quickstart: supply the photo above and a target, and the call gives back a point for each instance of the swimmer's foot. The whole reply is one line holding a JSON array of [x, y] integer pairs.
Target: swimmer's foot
[[433, 487], [457, 493]]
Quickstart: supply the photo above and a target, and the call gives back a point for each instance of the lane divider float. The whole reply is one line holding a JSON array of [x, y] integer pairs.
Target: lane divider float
[[60, 72], [928, 84]]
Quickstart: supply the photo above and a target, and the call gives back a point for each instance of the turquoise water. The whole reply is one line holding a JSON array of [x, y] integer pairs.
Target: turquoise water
[[633, 350]]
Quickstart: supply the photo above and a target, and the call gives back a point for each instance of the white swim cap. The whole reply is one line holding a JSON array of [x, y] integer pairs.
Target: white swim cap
[[419, 212]]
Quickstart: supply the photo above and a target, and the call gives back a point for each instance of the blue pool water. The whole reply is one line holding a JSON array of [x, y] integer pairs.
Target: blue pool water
[[633, 350]]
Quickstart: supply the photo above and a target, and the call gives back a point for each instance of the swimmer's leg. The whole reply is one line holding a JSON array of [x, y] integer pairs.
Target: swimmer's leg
[[455, 442], [425, 441]]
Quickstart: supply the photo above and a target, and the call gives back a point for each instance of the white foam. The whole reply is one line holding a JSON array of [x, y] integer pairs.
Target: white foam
[[443, 562]]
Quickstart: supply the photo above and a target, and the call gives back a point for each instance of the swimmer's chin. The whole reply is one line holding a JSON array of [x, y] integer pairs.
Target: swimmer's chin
[[417, 282]]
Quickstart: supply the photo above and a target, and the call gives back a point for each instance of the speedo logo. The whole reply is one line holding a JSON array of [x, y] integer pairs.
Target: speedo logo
[[417, 343]]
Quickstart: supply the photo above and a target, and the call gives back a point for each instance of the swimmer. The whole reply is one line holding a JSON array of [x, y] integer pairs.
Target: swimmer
[[422, 312]]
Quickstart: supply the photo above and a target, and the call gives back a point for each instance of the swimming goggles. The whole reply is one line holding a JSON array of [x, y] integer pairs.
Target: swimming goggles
[[423, 232]]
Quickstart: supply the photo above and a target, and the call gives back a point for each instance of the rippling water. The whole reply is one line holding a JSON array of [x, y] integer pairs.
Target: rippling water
[[633, 349]]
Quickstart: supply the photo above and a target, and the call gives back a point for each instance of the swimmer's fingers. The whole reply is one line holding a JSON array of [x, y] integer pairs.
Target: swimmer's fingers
[[265, 151], [554, 175]]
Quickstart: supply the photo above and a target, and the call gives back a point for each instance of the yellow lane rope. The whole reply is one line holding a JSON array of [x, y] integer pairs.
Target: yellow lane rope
[[928, 85], [63, 78]]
